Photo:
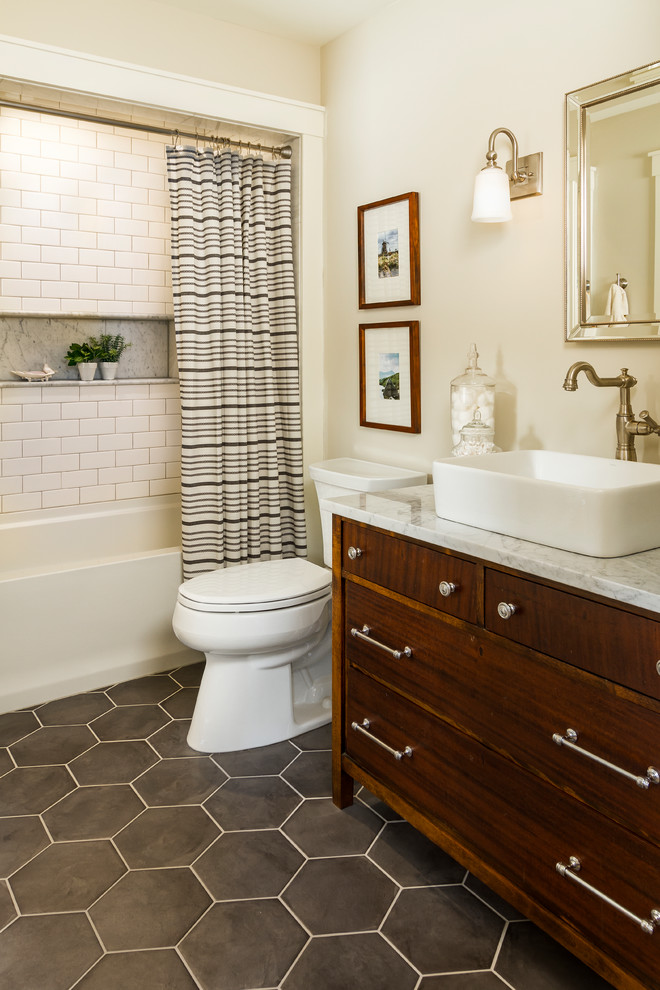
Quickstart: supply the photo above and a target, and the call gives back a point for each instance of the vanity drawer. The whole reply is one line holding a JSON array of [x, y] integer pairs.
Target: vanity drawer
[[603, 639], [517, 823], [516, 703], [412, 570], [537, 711], [377, 628]]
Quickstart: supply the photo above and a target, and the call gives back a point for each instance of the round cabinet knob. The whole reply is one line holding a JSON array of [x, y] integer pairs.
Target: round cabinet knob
[[505, 610], [447, 588], [354, 553]]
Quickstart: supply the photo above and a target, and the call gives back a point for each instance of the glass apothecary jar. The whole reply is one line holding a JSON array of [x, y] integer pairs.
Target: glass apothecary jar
[[476, 438], [470, 391]]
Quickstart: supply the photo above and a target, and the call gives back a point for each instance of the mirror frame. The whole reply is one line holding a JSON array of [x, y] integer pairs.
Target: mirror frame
[[577, 103]]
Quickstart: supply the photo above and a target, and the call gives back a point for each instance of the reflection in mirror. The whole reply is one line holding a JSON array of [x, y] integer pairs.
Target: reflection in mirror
[[613, 208]]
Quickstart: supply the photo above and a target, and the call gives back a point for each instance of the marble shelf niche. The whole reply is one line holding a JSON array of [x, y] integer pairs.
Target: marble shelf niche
[[27, 342]]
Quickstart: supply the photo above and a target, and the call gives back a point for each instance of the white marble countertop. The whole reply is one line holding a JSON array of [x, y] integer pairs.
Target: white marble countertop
[[634, 579]]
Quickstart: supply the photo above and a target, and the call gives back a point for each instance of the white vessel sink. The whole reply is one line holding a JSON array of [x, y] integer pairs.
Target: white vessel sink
[[591, 505]]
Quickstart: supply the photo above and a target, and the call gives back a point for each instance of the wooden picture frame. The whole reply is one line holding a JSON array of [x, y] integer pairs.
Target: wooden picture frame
[[388, 252], [390, 376]]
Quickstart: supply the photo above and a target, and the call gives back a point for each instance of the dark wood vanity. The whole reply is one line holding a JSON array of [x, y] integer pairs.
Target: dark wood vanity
[[513, 720]]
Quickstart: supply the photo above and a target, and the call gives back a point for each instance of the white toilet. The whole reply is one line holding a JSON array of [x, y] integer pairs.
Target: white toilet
[[265, 630]]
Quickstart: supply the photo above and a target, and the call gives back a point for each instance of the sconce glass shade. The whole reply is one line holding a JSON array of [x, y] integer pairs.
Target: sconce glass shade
[[492, 198]]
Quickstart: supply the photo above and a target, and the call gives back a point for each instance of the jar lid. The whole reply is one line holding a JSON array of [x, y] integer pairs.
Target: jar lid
[[473, 375], [476, 429]]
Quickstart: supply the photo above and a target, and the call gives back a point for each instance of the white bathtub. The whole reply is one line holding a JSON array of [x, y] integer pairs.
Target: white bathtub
[[86, 597]]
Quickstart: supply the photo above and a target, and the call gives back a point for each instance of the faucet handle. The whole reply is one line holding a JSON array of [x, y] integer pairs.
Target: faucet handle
[[650, 422]]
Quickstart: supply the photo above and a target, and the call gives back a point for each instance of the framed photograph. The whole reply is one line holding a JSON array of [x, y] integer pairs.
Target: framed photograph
[[388, 252], [389, 376]]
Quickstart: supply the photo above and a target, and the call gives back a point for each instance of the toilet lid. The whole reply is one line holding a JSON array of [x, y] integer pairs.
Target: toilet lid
[[256, 587]]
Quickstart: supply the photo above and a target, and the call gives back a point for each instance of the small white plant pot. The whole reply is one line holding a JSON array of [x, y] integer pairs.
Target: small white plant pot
[[87, 370], [108, 370]]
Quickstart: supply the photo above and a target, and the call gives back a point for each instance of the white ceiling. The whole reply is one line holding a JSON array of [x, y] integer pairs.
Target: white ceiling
[[314, 22]]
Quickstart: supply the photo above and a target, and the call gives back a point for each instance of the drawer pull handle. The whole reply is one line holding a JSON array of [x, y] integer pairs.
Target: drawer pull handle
[[398, 754], [505, 610], [364, 634], [354, 553], [570, 739], [447, 588], [569, 872]]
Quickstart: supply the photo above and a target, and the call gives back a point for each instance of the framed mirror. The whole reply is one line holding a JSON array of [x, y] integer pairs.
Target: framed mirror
[[613, 208]]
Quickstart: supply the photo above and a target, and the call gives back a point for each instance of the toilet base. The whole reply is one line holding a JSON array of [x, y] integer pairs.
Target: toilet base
[[245, 705]]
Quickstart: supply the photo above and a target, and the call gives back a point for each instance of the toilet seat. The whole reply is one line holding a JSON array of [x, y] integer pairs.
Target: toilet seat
[[257, 587]]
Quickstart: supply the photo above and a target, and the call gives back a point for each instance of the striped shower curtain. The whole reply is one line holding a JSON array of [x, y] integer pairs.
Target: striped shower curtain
[[237, 350]]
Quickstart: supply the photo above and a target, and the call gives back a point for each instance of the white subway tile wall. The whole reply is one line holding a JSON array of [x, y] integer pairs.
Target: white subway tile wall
[[74, 444], [84, 218]]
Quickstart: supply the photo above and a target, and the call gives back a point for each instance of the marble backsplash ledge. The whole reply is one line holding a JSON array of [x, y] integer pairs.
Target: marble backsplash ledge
[[29, 342]]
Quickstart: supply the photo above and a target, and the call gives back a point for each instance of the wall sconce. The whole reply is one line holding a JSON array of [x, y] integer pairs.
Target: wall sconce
[[494, 189]]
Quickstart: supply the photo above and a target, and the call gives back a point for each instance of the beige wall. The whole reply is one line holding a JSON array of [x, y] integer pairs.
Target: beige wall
[[411, 98], [145, 32]]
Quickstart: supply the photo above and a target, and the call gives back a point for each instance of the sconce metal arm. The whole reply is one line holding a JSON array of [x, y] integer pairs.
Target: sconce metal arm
[[491, 154]]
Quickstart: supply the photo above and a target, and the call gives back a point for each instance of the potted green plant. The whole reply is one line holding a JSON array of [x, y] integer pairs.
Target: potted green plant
[[110, 349], [85, 357]]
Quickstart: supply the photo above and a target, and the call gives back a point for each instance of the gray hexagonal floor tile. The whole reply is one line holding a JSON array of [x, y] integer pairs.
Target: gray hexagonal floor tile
[[143, 690], [130, 722], [96, 812], [166, 837], [52, 745], [248, 864], [158, 969], [321, 829], [340, 894], [320, 738], [530, 958], [182, 781], [21, 838], [15, 725], [464, 934], [190, 676], [170, 742], [149, 909], [30, 790], [264, 941], [113, 762], [67, 876], [341, 961], [7, 909], [311, 774], [79, 709], [484, 980], [252, 802], [259, 762], [6, 762], [371, 801], [181, 704], [413, 860], [492, 899], [47, 951]]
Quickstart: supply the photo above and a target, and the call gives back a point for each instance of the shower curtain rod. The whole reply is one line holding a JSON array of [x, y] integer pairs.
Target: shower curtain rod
[[283, 152]]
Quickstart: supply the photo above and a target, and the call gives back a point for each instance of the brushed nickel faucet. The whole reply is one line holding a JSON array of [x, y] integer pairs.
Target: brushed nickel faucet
[[627, 427]]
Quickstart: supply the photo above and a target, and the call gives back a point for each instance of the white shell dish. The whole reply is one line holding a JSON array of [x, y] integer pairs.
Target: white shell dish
[[35, 376]]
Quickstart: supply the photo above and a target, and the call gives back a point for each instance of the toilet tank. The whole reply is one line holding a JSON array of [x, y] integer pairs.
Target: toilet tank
[[348, 476]]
